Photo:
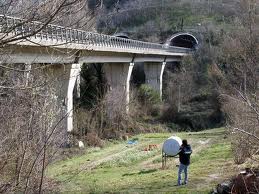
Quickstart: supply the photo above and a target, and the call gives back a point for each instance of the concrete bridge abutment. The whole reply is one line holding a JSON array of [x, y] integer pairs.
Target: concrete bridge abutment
[[154, 75]]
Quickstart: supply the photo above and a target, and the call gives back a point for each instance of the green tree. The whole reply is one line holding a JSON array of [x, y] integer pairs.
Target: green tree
[[93, 86]]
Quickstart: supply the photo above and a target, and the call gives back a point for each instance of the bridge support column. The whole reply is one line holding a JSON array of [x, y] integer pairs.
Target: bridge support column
[[118, 77], [27, 73], [78, 82], [154, 75], [74, 75]]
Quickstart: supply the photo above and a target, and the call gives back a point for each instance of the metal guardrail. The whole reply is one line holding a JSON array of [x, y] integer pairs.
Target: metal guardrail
[[19, 27]]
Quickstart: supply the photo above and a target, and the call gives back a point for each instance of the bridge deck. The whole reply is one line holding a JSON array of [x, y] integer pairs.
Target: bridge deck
[[62, 37]]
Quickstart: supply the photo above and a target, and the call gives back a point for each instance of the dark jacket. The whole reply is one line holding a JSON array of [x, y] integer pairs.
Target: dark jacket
[[184, 154]]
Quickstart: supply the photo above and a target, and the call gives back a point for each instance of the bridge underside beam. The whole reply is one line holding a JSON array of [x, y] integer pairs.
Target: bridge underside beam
[[30, 55], [160, 59], [112, 57], [48, 55]]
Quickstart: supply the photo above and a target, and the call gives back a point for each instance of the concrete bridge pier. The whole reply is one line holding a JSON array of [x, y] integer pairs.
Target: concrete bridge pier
[[154, 75], [27, 73], [63, 78], [73, 77], [118, 77]]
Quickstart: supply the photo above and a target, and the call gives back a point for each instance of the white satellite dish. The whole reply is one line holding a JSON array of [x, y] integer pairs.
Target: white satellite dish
[[172, 145]]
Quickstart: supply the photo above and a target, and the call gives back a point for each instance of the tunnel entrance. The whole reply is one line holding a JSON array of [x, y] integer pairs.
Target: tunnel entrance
[[185, 40]]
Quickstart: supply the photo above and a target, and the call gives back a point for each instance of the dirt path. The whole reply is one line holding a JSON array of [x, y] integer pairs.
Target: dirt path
[[94, 164]]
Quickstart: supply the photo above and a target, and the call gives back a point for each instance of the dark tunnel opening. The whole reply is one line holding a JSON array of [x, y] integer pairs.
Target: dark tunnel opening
[[183, 40]]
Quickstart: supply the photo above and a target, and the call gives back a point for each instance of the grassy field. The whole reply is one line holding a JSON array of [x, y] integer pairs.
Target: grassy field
[[120, 168]]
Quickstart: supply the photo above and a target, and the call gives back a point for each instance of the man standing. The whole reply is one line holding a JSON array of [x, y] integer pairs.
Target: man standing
[[184, 156]]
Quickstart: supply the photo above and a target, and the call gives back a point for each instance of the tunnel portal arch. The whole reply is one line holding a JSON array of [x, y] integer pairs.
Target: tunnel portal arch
[[185, 40]]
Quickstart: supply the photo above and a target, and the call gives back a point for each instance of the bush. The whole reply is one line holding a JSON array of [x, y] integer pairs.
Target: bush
[[200, 112], [150, 100], [92, 139], [148, 95], [173, 127]]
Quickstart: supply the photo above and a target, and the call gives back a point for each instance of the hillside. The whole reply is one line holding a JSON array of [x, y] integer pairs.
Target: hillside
[[156, 20], [153, 20], [191, 93]]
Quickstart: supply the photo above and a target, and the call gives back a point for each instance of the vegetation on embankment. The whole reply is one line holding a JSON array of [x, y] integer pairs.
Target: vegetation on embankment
[[191, 97], [123, 168]]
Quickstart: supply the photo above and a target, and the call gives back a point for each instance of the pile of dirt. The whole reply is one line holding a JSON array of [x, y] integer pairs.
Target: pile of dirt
[[246, 181]]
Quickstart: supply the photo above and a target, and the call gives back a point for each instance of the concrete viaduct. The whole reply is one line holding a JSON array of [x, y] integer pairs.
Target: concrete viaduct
[[60, 45]]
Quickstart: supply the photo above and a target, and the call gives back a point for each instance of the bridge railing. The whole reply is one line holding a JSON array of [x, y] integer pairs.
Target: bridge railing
[[21, 28]]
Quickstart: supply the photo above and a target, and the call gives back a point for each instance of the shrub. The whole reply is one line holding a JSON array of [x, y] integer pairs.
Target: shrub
[[150, 100], [92, 139], [148, 94]]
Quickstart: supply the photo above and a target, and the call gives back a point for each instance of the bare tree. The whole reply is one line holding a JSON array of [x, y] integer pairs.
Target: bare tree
[[32, 130], [240, 65]]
